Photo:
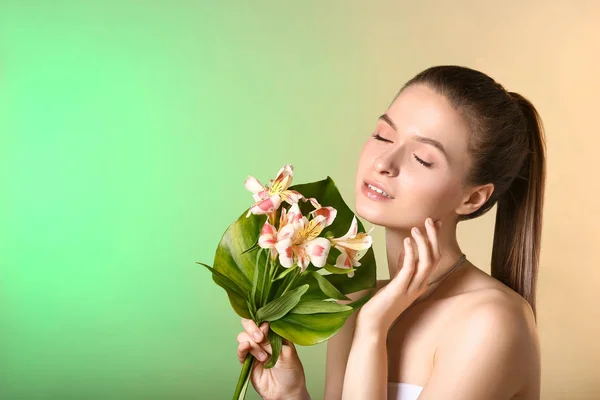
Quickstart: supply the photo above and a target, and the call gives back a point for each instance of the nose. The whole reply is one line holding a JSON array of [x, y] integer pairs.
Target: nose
[[387, 164]]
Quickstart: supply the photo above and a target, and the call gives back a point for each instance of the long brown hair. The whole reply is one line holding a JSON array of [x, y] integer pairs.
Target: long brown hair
[[507, 148]]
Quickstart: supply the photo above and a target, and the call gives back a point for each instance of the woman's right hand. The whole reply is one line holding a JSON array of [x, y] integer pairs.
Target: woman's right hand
[[286, 379]]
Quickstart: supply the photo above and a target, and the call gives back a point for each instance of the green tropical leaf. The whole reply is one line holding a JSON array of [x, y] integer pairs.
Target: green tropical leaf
[[335, 270], [310, 329], [319, 306], [285, 272], [223, 281], [238, 267], [257, 271], [327, 287], [253, 247], [282, 305], [235, 293], [276, 343]]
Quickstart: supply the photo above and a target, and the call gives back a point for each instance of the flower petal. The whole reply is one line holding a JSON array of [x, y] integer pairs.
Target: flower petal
[[314, 203], [287, 232], [282, 218], [291, 196], [294, 216], [360, 242], [302, 257], [328, 212], [268, 235], [253, 185], [312, 228], [266, 206], [318, 250], [286, 253], [352, 231], [283, 179], [262, 195], [343, 261], [351, 255], [287, 169]]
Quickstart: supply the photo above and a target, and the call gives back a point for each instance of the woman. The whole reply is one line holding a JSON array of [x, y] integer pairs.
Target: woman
[[452, 144]]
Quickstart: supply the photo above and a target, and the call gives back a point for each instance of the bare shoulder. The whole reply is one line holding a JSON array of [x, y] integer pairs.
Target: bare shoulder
[[492, 306], [484, 299], [496, 325], [498, 306]]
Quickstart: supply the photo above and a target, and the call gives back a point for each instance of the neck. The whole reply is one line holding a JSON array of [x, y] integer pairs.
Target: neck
[[449, 249]]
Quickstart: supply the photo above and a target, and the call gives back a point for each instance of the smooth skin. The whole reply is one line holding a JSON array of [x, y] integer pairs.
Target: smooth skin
[[465, 337]]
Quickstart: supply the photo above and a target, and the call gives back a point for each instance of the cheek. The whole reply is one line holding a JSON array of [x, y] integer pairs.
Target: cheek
[[428, 194]]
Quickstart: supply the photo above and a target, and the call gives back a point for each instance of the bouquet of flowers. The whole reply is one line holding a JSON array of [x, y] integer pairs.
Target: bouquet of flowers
[[288, 258]]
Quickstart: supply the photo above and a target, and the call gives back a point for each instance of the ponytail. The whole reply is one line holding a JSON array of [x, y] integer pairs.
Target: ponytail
[[517, 235]]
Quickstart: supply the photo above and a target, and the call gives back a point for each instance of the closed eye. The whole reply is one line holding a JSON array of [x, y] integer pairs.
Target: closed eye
[[378, 137], [425, 163], [419, 160]]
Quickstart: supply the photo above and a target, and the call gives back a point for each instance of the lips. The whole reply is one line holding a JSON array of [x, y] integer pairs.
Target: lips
[[378, 185]]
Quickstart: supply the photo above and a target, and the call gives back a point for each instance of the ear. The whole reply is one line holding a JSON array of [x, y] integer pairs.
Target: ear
[[475, 198]]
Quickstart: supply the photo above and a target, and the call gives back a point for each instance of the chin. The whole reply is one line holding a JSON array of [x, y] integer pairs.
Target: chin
[[371, 213], [383, 215]]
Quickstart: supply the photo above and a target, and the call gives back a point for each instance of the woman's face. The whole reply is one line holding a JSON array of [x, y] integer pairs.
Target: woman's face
[[420, 160]]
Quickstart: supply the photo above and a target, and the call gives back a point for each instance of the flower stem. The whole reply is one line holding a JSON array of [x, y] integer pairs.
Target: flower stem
[[294, 276], [242, 385], [266, 285]]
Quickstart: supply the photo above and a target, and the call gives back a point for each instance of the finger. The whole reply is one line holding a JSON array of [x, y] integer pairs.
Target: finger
[[424, 265], [402, 279], [255, 349], [432, 236], [252, 329], [242, 351], [265, 344]]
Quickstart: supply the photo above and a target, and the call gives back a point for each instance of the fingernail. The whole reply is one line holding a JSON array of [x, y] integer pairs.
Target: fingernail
[[257, 336], [429, 222], [262, 355], [407, 241], [416, 231]]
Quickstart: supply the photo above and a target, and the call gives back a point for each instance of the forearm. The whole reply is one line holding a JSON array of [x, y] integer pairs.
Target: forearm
[[367, 370], [297, 396], [302, 396]]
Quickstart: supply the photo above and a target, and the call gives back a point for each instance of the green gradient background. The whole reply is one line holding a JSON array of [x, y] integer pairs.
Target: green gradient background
[[127, 131]]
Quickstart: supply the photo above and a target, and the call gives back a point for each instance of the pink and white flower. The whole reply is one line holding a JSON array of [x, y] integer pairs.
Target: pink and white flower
[[270, 236], [268, 198], [352, 247], [297, 242], [328, 212]]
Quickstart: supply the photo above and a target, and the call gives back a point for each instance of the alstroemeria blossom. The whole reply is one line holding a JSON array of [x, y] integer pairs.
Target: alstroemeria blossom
[[299, 243], [328, 212], [268, 198], [269, 236], [352, 246]]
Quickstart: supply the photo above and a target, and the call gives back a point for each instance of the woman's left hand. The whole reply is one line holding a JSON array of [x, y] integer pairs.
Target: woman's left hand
[[411, 281]]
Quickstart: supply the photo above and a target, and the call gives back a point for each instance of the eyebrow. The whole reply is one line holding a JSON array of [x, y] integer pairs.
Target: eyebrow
[[386, 118], [422, 139]]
